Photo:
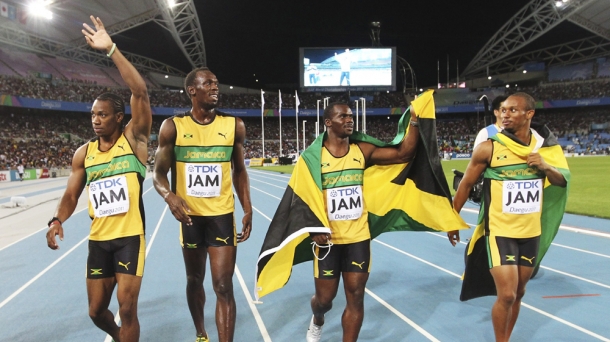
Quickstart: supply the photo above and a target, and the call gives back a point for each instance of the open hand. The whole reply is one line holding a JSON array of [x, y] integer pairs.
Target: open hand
[[97, 38]]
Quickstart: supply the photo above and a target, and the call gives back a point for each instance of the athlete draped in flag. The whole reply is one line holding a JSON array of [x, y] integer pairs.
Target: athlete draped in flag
[[524, 191], [343, 163], [345, 190]]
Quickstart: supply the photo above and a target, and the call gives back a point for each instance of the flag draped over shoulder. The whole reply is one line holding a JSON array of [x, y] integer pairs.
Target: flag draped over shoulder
[[402, 197], [478, 281]]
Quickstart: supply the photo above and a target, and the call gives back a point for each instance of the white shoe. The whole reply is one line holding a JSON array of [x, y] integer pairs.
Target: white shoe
[[314, 332]]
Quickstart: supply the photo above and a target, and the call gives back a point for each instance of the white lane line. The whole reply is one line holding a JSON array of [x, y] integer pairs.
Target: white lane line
[[560, 320], [260, 212], [266, 193], [14, 294], [554, 270], [576, 277], [277, 174], [43, 228], [418, 259], [401, 316], [377, 298], [572, 325], [260, 181], [117, 317], [564, 227], [255, 313], [581, 250], [36, 232], [277, 178]]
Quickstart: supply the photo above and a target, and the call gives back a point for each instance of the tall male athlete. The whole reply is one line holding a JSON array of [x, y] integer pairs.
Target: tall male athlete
[[204, 149], [350, 253], [513, 203], [112, 168]]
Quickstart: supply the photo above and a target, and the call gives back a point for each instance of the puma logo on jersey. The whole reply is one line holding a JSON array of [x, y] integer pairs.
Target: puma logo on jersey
[[531, 260], [125, 265], [121, 146], [358, 264], [223, 240], [223, 135], [358, 160]]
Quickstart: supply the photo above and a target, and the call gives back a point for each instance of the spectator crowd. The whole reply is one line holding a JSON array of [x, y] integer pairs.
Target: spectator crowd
[[49, 140]]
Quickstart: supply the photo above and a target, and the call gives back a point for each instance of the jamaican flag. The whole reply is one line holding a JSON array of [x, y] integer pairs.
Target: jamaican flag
[[478, 281], [411, 196]]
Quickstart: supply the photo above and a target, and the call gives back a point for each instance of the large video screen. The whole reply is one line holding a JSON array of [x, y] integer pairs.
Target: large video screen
[[342, 69]]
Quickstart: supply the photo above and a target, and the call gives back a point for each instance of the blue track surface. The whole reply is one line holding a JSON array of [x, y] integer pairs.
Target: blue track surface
[[412, 294]]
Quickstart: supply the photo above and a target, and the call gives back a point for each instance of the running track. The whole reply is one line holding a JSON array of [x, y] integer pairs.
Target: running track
[[412, 294]]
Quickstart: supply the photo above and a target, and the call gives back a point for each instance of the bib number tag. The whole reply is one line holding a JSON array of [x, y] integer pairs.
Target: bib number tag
[[109, 196], [344, 203], [522, 197], [203, 180]]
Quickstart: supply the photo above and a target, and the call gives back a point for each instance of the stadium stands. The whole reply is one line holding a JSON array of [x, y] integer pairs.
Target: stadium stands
[[49, 138]]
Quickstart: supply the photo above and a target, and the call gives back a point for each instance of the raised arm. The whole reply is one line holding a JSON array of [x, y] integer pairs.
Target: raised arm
[[241, 182], [69, 200], [141, 115], [405, 152]]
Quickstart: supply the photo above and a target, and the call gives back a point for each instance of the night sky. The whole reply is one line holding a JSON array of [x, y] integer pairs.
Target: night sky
[[247, 38]]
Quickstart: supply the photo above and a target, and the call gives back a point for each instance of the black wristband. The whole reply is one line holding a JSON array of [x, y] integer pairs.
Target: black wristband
[[53, 220]]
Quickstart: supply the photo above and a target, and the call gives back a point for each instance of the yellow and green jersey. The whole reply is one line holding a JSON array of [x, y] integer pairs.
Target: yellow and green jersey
[[513, 194], [201, 173], [342, 180], [114, 185]]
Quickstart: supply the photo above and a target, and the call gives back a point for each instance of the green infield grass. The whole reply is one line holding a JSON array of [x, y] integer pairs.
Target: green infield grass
[[589, 192]]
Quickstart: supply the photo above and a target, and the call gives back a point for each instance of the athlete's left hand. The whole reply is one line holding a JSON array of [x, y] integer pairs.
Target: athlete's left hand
[[247, 228], [536, 160]]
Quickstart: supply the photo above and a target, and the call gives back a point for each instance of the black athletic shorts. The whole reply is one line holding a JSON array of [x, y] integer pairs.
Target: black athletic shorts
[[512, 251], [122, 255], [351, 257], [209, 231]]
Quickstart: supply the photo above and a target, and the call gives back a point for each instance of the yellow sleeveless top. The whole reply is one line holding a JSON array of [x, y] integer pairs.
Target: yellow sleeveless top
[[512, 195], [342, 180], [201, 173], [114, 186]]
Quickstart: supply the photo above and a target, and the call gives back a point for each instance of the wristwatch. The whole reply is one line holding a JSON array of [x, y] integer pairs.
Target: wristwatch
[[51, 221]]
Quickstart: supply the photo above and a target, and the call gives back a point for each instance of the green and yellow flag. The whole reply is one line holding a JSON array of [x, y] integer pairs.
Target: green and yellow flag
[[478, 281], [402, 197]]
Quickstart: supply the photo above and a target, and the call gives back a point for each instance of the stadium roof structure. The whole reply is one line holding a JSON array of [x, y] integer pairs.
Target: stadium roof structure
[[524, 38], [61, 36]]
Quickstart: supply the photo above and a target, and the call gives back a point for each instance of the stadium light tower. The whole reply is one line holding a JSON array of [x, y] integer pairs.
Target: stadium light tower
[[304, 139], [409, 81], [318, 119], [375, 32]]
